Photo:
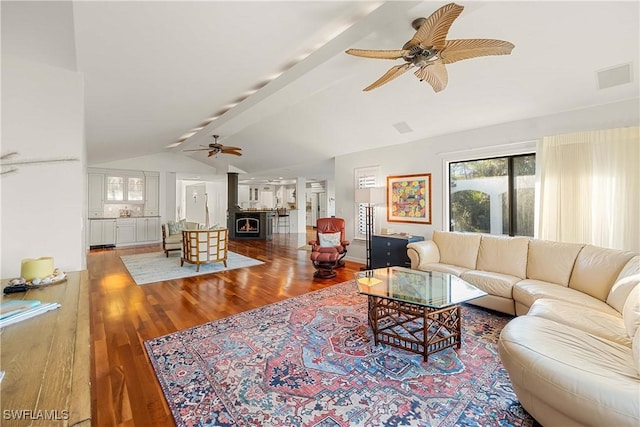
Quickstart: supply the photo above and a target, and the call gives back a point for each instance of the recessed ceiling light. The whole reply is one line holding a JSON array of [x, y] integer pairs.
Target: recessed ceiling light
[[174, 144], [187, 135], [328, 37]]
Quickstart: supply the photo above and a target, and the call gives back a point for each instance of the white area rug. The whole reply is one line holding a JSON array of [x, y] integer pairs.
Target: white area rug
[[156, 267]]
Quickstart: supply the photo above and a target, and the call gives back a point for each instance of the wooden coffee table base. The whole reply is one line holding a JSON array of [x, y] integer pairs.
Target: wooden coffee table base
[[413, 327]]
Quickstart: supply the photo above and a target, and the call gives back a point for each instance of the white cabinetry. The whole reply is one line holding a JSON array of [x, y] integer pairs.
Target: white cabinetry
[[124, 186], [96, 188], [152, 190], [147, 229], [125, 231], [102, 232]]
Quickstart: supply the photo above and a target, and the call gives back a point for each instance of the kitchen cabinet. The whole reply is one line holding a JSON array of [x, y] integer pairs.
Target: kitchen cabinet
[[147, 229], [96, 187], [102, 232], [152, 190], [125, 231], [391, 250], [124, 187]]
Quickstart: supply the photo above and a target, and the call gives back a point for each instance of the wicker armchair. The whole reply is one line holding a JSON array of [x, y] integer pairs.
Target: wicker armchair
[[204, 246]]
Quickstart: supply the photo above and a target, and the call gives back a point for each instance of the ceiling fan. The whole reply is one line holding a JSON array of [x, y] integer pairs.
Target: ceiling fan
[[215, 147], [429, 51]]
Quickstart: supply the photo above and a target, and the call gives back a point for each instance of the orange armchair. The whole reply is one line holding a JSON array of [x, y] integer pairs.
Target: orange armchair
[[329, 248]]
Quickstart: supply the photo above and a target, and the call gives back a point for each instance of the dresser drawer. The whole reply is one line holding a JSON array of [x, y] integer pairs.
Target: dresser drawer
[[391, 250]]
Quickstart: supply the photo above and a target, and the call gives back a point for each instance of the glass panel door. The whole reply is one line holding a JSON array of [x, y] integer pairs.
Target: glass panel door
[[115, 188], [135, 189]]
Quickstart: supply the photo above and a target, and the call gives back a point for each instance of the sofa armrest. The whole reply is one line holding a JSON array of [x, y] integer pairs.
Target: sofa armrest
[[422, 253]]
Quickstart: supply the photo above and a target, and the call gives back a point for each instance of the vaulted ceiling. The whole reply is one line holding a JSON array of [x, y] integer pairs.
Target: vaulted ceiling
[[273, 78]]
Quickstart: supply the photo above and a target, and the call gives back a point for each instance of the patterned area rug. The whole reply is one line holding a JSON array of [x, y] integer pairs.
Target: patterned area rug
[[310, 361], [156, 267]]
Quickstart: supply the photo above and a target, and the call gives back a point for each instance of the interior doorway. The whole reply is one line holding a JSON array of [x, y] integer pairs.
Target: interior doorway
[[195, 203]]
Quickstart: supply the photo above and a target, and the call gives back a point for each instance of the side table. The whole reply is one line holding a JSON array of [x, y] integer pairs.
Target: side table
[[391, 250]]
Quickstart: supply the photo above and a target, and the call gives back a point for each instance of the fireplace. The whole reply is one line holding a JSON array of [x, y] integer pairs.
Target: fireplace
[[247, 225], [250, 225]]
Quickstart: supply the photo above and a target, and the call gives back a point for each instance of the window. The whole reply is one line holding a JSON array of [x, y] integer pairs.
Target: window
[[365, 178], [495, 195]]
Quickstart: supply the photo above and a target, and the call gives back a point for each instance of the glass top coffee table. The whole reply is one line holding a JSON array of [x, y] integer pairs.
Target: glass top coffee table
[[415, 310]]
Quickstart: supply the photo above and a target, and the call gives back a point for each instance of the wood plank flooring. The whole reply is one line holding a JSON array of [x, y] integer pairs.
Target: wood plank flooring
[[124, 389]]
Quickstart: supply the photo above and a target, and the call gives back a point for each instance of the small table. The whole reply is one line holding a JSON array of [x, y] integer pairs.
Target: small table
[[414, 310]]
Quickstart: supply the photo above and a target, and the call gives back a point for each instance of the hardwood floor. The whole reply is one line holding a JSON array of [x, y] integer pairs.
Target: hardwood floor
[[124, 389]]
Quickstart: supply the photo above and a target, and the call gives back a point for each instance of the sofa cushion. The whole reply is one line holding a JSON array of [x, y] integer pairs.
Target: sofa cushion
[[631, 311], [551, 261], [595, 322], [492, 283], [627, 279], [503, 254], [527, 291], [596, 270], [443, 268], [457, 248], [176, 227], [589, 379], [173, 238], [635, 349]]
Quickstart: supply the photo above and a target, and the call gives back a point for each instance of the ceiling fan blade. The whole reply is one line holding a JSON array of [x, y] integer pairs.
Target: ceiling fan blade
[[198, 149], [457, 50], [388, 76], [435, 74], [228, 147], [235, 153], [212, 153], [433, 31], [378, 54]]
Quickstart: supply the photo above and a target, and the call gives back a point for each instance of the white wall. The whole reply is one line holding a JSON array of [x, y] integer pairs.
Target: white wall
[[43, 206], [429, 156], [39, 31], [217, 195]]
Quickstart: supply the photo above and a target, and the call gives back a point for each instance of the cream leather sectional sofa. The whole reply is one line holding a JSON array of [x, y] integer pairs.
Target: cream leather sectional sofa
[[573, 352]]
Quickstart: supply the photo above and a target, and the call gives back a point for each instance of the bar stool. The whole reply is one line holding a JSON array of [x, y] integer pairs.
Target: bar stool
[[282, 220]]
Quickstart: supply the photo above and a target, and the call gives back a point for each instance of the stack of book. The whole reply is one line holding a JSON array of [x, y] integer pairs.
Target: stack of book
[[16, 310]]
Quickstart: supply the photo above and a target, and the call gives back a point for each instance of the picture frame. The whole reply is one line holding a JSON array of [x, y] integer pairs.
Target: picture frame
[[409, 198]]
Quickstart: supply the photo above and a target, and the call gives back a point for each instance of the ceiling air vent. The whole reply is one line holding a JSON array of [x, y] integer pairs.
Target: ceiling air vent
[[403, 127], [614, 76]]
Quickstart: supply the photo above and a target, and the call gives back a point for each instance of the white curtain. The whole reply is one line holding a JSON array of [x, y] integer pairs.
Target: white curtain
[[590, 188]]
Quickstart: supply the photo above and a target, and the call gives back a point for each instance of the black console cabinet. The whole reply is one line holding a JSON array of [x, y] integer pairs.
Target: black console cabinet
[[391, 250]]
